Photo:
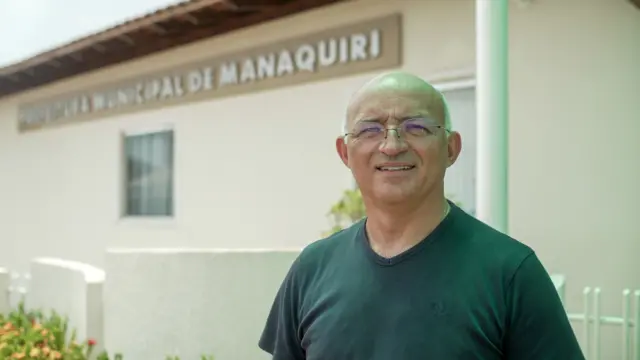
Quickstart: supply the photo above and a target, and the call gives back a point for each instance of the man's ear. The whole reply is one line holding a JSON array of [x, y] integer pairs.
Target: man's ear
[[454, 147], [341, 148]]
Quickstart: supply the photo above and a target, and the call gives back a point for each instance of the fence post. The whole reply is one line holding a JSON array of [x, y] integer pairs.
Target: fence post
[[636, 325], [5, 280], [559, 283]]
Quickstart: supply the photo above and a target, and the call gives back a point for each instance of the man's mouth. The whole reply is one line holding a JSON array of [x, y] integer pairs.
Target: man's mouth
[[395, 167]]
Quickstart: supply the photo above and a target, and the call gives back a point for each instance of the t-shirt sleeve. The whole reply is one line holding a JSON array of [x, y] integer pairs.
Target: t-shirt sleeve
[[280, 336], [537, 325]]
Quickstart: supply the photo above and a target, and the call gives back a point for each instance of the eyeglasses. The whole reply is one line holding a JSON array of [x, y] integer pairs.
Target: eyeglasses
[[408, 129]]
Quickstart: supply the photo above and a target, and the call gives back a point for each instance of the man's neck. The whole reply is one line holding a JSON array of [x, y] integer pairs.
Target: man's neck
[[391, 232]]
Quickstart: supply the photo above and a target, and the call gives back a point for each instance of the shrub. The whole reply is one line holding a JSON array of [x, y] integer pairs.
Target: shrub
[[350, 209], [33, 336], [346, 211], [29, 335]]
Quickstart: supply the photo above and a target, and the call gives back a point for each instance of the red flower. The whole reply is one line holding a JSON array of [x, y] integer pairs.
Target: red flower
[[91, 342]]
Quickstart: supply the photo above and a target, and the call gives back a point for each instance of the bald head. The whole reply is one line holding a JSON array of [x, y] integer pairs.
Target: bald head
[[398, 82]]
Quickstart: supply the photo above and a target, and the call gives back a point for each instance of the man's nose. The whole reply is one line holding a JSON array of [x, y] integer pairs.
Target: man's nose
[[393, 144]]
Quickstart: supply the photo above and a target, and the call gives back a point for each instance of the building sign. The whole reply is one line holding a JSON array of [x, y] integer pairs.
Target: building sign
[[368, 46]]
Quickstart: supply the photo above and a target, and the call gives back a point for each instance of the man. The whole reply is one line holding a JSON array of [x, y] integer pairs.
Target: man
[[418, 278]]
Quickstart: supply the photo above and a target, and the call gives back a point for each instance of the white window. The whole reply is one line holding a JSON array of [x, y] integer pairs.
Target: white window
[[149, 174], [460, 182]]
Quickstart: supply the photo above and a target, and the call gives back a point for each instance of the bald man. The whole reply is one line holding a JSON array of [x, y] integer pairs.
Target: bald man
[[418, 278]]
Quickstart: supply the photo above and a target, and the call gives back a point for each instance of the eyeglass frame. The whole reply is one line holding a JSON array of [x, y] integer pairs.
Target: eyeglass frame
[[395, 128]]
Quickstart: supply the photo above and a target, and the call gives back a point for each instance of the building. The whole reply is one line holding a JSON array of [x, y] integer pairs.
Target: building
[[227, 141]]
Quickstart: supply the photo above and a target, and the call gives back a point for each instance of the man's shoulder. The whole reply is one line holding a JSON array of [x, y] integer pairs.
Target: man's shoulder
[[324, 249], [492, 245], [490, 235]]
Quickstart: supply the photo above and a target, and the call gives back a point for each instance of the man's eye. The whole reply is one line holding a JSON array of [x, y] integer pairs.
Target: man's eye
[[416, 129], [370, 130]]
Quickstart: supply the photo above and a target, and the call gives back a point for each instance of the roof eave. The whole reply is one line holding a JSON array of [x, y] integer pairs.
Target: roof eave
[[162, 30]]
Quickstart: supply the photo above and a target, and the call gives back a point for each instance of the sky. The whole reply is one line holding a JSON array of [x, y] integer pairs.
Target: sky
[[29, 27]]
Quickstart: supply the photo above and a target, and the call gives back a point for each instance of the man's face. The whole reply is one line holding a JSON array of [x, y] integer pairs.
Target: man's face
[[402, 166]]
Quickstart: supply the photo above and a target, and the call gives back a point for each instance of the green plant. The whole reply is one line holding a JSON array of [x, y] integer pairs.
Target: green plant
[[349, 209], [30, 335]]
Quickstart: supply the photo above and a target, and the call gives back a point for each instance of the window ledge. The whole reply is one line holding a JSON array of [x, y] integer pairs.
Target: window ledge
[[147, 220]]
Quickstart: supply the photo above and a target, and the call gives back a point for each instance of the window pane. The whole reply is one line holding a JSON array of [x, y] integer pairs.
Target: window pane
[[149, 178], [460, 178]]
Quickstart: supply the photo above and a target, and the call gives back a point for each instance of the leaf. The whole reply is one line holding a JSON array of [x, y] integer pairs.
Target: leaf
[[347, 210]]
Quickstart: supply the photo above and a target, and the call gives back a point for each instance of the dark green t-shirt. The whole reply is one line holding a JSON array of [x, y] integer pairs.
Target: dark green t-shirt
[[467, 291]]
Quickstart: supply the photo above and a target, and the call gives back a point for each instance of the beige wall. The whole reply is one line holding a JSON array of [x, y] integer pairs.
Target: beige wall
[[575, 167], [573, 154]]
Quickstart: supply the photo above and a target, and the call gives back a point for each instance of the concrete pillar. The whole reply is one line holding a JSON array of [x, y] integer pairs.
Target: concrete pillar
[[492, 112]]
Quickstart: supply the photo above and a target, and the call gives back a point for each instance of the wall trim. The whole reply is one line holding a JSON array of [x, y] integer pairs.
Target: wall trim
[[456, 85]]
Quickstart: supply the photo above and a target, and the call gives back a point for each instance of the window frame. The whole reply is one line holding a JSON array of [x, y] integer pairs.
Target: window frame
[[455, 83], [123, 178]]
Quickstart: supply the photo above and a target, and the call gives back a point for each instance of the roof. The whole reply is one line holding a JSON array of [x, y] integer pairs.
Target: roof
[[170, 27]]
